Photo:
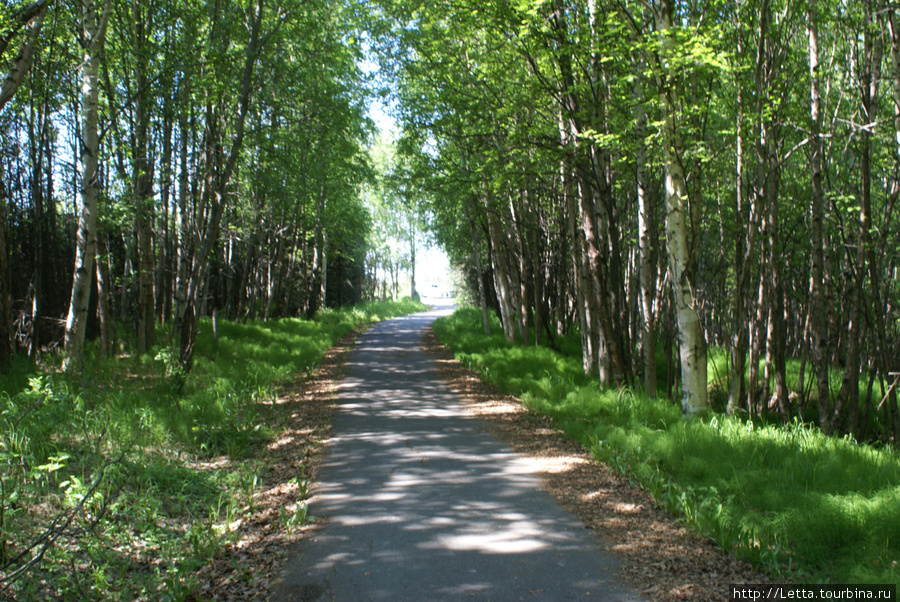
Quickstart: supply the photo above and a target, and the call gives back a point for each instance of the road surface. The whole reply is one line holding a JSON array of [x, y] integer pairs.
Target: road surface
[[419, 503]]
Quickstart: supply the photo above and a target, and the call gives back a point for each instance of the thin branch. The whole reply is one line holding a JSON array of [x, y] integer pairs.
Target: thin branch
[[57, 529]]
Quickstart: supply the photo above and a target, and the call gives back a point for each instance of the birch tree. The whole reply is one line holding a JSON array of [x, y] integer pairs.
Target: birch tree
[[817, 313], [93, 32], [680, 246]]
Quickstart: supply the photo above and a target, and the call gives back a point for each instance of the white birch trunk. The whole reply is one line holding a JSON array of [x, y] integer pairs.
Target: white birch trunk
[[818, 312], [691, 343], [894, 28], [94, 31]]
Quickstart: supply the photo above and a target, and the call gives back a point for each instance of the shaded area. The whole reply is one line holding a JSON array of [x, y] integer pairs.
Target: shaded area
[[659, 557], [421, 503]]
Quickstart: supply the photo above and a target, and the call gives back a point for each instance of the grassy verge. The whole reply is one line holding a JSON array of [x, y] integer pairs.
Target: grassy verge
[[120, 482], [789, 499]]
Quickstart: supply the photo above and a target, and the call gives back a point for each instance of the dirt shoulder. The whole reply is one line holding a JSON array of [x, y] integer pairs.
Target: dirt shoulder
[[249, 567]]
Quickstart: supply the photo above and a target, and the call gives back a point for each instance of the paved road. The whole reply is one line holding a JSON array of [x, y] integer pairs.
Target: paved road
[[420, 503]]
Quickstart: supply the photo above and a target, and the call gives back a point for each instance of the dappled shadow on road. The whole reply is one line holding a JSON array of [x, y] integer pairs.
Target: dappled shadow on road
[[659, 557], [420, 503]]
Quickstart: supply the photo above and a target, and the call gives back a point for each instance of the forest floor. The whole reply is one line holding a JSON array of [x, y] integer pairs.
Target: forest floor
[[658, 556]]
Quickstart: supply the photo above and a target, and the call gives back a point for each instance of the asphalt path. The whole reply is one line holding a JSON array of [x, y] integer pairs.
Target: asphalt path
[[420, 503]]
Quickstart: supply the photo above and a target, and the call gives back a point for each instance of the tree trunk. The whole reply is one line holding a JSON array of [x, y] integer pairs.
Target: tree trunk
[[6, 342], [742, 253], [521, 270], [611, 368], [818, 317], [183, 238], [776, 310], [883, 357], [476, 256], [32, 19], [581, 282], [647, 241], [413, 293], [142, 186], [37, 137], [103, 310], [93, 34], [893, 23], [164, 280], [499, 266], [682, 260], [592, 224], [757, 325], [868, 64], [537, 276], [320, 265]]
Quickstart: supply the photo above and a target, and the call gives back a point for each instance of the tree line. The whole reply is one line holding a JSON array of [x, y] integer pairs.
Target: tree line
[[665, 179], [671, 178], [162, 160]]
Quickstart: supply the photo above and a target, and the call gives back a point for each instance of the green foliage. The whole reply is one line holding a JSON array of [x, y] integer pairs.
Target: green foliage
[[788, 498], [145, 480]]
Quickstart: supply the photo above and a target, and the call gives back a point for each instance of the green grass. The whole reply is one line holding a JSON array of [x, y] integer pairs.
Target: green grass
[[786, 497], [143, 433]]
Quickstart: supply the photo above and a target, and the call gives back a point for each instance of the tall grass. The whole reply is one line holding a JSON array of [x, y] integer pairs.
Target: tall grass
[[127, 457], [786, 497]]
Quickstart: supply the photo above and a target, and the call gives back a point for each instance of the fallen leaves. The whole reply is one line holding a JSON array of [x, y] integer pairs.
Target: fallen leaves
[[248, 568]]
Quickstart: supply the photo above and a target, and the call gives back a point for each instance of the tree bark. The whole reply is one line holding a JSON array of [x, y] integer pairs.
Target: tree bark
[[500, 270], [776, 310], [93, 34], [647, 240], [581, 282], [103, 309], [320, 261], [682, 268], [183, 238], [742, 253], [847, 407], [142, 183], [413, 293], [876, 314], [6, 341], [818, 317], [476, 256], [38, 138]]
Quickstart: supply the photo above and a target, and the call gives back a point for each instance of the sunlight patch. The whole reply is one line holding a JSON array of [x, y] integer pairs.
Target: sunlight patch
[[493, 543]]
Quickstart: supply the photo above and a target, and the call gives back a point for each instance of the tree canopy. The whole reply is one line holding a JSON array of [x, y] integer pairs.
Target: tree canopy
[[673, 183], [670, 179]]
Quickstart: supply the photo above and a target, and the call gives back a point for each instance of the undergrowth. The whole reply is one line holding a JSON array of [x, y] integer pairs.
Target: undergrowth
[[796, 503], [119, 482]]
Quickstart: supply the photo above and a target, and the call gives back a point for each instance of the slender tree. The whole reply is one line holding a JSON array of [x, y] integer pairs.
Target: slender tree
[[682, 255], [93, 34]]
